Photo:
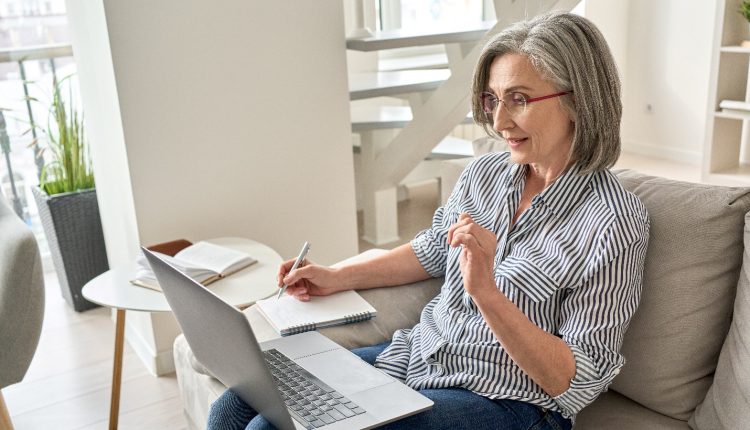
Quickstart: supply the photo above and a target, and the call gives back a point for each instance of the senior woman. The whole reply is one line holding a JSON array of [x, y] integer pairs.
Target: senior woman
[[541, 248]]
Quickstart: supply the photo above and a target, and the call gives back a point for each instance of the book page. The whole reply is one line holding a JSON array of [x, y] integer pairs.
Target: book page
[[218, 259], [288, 312], [145, 275]]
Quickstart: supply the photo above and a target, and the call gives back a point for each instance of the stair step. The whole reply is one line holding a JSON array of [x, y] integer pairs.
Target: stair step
[[404, 38], [452, 147], [416, 62], [366, 118], [378, 84], [448, 148]]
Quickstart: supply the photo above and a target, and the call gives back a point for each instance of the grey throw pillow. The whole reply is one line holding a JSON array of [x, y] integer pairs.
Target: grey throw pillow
[[486, 144], [690, 278], [727, 404]]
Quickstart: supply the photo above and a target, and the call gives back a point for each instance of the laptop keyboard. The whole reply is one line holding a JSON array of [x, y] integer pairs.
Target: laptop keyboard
[[309, 400]]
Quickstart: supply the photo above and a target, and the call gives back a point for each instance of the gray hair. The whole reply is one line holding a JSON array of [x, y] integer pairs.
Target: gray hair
[[571, 53]]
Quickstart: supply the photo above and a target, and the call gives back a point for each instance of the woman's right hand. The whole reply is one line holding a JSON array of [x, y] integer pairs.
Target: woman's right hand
[[309, 279]]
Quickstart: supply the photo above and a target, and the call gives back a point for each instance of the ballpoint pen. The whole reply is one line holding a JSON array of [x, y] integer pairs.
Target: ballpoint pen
[[297, 262]]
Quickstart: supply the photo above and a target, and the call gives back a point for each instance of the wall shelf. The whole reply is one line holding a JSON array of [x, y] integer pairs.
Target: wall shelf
[[735, 50], [726, 156], [733, 114]]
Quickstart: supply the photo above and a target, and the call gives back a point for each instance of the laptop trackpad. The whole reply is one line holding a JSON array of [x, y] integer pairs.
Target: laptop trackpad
[[344, 371]]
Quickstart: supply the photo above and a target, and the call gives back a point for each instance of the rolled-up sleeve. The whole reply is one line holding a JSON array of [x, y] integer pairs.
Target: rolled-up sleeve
[[595, 315]]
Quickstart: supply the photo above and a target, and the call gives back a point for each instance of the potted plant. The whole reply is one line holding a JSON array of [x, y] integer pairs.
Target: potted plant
[[745, 12], [66, 198]]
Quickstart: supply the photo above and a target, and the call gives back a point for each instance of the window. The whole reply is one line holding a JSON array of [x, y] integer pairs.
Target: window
[[428, 15], [421, 15]]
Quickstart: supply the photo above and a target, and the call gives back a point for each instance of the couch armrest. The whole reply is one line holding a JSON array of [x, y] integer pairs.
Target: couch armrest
[[450, 171], [398, 307]]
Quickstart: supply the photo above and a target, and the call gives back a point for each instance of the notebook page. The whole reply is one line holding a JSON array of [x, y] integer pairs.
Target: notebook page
[[288, 312]]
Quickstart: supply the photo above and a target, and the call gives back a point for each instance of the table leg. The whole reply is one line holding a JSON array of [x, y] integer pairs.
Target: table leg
[[5, 422], [114, 406]]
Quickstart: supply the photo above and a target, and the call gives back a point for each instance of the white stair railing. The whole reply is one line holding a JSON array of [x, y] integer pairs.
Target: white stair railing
[[446, 106], [434, 116], [360, 30]]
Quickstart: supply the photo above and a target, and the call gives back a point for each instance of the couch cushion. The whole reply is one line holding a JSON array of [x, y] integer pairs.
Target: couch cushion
[[613, 411], [398, 307], [487, 144], [690, 277], [727, 404], [450, 171]]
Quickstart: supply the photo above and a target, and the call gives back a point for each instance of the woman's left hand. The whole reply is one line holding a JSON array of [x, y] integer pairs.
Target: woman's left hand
[[477, 258]]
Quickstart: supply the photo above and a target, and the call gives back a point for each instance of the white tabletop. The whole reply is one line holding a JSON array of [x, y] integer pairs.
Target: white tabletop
[[113, 288]]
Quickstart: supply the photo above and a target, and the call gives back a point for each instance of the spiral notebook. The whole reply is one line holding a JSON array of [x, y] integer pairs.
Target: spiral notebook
[[288, 315]]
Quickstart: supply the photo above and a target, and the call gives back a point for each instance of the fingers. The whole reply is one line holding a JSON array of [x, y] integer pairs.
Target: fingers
[[468, 233], [461, 232], [466, 239], [299, 292], [303, 297], [284, 269], [463, 220], [302, 272]]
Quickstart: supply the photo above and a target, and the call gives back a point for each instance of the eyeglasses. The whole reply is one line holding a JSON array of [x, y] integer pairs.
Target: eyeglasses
[[515, 103]]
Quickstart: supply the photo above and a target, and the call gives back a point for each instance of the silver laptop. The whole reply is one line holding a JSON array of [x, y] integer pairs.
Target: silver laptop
[[303, 381]]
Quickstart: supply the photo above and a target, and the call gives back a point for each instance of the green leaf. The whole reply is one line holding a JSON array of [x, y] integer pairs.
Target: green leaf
[[745, 9], [69, 166]]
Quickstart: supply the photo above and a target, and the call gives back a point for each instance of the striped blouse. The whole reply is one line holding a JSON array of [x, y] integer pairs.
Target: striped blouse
[[573, 263]]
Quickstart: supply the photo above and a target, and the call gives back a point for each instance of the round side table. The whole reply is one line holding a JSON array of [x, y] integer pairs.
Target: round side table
[[114, 290]]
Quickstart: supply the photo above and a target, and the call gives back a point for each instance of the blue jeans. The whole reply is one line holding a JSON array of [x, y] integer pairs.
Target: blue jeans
[[455, 408]]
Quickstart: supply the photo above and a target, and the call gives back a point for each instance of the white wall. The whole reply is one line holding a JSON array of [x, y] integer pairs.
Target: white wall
[[104, 128], [612, 20], [236, 121], [667, 77], [663, 51], [210, 120]]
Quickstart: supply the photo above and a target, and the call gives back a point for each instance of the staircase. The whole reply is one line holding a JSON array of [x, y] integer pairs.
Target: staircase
[[439, 99]]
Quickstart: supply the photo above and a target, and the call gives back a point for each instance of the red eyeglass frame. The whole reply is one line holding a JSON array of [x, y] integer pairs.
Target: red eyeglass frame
[[531, 100]]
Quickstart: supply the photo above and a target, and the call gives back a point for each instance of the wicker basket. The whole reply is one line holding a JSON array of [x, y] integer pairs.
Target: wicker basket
[[74, 232]]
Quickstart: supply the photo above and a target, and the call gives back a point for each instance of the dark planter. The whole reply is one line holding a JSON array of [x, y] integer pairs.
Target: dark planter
[[74, 232]]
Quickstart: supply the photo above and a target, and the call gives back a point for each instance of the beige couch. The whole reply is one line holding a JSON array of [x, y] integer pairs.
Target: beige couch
[[688, 363]]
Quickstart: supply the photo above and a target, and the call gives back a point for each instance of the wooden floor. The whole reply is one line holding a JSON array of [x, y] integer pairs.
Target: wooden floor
[[68, 384]]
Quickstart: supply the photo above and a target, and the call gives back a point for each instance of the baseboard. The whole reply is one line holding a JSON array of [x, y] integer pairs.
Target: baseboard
[[670, 153], [158, 363]]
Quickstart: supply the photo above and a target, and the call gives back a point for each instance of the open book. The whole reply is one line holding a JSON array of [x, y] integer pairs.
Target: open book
[[203, 261], [288, 315]]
